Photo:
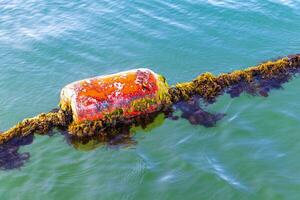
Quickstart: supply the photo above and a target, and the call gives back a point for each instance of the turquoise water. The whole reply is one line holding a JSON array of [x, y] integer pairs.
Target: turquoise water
[[252, 153]]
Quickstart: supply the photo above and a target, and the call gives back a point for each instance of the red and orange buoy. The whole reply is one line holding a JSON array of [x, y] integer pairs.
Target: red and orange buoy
[[127, 94]]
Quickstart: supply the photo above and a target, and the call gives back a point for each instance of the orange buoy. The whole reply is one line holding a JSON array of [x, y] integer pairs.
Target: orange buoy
[[126, 94]]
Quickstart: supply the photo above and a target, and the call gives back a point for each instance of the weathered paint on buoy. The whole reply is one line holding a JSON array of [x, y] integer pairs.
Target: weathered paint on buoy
[[123, 95]]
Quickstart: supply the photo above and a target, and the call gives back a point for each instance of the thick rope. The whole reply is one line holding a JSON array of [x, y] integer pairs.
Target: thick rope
[[40, 124], [258, 80]]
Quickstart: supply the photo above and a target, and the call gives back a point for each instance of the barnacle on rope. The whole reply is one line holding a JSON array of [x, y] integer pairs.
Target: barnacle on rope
[[90, 107]]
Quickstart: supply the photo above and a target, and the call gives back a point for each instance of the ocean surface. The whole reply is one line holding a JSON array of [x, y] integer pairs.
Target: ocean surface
[[252, 153]]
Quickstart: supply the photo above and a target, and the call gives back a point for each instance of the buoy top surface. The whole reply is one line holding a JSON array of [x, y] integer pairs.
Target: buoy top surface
[[129, 93]]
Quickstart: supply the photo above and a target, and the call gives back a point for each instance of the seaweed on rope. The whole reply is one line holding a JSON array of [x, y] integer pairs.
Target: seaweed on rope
[[257, 80]]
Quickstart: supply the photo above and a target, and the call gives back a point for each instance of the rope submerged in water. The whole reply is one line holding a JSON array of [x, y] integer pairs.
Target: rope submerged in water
[[258, 80]]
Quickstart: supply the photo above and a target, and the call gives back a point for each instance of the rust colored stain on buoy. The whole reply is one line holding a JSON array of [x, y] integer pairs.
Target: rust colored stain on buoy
[[125, 94]]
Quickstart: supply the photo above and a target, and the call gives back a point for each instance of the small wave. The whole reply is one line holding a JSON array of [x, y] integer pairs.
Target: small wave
[[226, 3], [232, 4], [23, 22], [166, 20], [173, 6], [289, 3], [219, 170]]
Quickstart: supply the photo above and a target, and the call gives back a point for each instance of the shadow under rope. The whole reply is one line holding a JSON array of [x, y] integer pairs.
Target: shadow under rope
[[122, 133], [10, 157]]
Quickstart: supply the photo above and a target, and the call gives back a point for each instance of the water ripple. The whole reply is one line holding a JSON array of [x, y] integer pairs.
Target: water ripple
[[30, 20], [223, 174]]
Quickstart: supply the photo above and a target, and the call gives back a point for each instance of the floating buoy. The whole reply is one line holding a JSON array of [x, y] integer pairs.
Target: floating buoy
[[123, 95], [89, 106]]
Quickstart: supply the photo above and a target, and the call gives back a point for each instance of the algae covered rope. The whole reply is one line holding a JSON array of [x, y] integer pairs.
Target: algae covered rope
[[41, 124], [256, 80], [89, 106]]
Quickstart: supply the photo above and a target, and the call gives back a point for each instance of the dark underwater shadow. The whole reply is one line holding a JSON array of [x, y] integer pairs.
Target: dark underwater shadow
[[10, 157]]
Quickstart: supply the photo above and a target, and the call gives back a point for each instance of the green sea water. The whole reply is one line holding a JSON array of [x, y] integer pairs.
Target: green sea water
[[252, 153]]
